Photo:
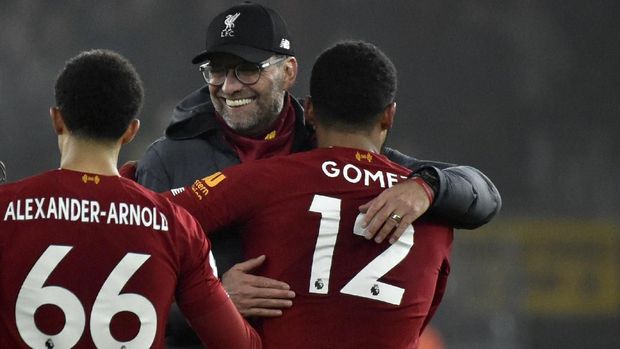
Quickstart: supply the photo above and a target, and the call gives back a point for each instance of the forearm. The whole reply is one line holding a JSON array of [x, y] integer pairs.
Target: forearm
[[464, 196], [224, 327]]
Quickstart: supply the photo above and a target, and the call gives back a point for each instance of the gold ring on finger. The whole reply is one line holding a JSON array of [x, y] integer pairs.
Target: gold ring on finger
[[396, 217]]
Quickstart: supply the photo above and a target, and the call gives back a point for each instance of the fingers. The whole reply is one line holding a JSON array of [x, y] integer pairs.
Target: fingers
[[248, 305], [250, 264], [237, 280], [252, 301], [266, 293], [267, 303], [388, 226], [364, 208], [407, 200], [380, 221], [371, 208], [400, 229], [393, 229], [261, 282], [256, 295]]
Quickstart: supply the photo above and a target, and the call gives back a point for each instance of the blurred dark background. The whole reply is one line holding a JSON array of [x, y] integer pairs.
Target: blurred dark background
[[526, 91]]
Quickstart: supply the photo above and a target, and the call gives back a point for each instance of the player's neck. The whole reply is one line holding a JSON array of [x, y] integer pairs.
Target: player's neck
[[331, 138], [87, 156]]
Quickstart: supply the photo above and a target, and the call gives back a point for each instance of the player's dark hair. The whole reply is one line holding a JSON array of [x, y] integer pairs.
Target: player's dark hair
[[99, 93], [351, 83]]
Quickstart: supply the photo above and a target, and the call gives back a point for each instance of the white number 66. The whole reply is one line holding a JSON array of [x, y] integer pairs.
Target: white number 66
[[109, 302]]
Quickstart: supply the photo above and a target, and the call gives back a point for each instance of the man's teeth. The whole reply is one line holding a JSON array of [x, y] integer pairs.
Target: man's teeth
[[238, 102]]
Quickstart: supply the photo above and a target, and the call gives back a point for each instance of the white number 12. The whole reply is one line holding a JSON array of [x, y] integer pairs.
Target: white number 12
[[366, 283]]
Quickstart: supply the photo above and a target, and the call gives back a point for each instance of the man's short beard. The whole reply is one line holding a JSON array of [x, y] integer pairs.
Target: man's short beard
[[259, 122]]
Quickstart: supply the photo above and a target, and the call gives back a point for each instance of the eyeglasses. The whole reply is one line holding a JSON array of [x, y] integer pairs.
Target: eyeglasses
[[2, 173], [247, 73]]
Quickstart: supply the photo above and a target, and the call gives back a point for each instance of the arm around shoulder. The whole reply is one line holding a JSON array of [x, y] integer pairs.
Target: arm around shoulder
[[224, 327], [200, 295], [464, 197]]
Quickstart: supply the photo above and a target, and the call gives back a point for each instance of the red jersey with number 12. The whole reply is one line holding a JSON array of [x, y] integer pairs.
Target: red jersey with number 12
[[301, 211], [95, 261]]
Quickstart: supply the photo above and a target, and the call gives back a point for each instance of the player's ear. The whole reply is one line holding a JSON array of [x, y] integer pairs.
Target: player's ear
[[309, 111], [131, 131], [387, 116], [58, 123]]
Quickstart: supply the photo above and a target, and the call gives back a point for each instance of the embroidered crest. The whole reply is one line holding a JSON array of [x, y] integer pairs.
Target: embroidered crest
[[285, 44], [86, 178], [360, 157], [230, 24]]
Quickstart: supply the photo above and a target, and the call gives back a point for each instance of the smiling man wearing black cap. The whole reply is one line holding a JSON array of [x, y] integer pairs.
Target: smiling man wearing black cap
[[244, 113], [252, 43]]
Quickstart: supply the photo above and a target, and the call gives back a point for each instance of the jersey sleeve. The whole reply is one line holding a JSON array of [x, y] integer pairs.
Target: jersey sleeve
[[443, 241], [221, 199], [201, 297], [440, 290]]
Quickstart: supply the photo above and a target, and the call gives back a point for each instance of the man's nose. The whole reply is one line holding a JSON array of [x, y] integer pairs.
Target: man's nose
[[231, 83]]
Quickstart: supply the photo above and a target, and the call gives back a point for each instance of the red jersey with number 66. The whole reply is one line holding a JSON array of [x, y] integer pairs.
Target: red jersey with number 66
[[301, 211], [95, 261]]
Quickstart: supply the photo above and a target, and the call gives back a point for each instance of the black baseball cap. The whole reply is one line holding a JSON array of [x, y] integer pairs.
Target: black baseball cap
[[248, 30]]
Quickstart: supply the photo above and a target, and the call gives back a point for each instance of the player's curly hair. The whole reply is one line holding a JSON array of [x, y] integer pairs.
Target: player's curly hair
[[99, 93], [351, 83]]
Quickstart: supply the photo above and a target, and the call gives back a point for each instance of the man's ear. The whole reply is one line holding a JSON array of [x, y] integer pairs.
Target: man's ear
[[290, 72], [387, 117], [131, 131], [309, 111], [58, 123]]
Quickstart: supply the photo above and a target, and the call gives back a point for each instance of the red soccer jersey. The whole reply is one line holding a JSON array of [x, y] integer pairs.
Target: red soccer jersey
[[95, 261], [301, 211]]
